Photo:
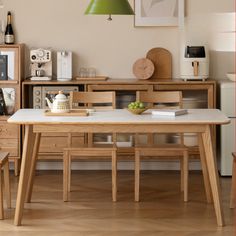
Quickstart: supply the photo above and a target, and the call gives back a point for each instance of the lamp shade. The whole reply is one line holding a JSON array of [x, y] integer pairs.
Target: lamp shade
[[109, 7]]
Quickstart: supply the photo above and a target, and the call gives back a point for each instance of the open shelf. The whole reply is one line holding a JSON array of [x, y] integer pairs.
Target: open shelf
[[9, 82]]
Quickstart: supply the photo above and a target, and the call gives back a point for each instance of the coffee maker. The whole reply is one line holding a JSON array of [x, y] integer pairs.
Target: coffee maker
[[41, 64]]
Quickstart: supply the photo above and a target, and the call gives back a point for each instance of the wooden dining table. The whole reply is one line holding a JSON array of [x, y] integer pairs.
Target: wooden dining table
[[197, 121]]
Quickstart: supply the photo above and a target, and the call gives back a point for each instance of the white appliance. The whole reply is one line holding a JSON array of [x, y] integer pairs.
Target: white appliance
[[194, 63], [41, 64], [228, 132], [64, 66]]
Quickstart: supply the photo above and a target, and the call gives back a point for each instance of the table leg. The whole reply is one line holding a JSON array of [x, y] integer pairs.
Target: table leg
[[213, 175], [32, 168], [24, 173], [66, 173], [204, 170]]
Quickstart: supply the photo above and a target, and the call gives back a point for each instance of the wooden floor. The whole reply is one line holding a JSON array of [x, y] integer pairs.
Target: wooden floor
[[90, 212]]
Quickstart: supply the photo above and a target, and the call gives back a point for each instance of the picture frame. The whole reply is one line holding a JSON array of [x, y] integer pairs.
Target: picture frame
[[159, 13]]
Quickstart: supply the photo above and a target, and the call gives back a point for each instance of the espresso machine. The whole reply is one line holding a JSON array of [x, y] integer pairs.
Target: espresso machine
[[41, 64]]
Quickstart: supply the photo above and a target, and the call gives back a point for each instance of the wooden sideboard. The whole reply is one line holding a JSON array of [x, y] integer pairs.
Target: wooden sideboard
[[52, 145]]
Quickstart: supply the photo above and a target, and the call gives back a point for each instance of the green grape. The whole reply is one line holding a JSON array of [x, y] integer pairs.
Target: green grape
[[141, 105], [136, 105]]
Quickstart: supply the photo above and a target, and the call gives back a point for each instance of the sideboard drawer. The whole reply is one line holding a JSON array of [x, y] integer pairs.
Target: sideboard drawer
[[8, 130], [10, 145], [57, 144]]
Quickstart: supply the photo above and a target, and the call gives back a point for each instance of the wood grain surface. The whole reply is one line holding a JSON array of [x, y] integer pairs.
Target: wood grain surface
[[162, 61]]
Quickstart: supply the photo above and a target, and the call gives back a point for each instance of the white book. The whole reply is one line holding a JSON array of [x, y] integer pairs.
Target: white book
[[169, 112]]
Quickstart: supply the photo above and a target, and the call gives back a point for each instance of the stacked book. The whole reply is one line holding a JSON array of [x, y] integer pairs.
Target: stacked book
[[169, 112]]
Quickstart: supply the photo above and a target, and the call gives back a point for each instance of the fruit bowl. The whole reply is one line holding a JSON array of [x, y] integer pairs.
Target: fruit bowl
[[137, 111]]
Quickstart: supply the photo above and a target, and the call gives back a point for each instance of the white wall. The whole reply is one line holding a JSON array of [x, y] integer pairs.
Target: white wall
[[110, 47]]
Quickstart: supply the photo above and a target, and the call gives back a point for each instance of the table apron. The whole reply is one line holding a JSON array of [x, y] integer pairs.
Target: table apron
[[121, 128]]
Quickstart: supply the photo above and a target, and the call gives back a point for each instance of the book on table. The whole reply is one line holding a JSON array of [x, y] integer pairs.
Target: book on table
[[169, 112]]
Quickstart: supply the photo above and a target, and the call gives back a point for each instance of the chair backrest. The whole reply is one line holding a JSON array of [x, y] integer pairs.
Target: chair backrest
[[161, 99], [98, 100]]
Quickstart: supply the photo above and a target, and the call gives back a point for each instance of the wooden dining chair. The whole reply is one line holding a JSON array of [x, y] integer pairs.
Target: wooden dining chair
[[90, 150], [151, 150], [4, 164], [233, 187]]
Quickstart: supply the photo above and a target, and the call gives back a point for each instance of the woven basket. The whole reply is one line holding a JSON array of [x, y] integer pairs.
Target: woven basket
[[137, 111]]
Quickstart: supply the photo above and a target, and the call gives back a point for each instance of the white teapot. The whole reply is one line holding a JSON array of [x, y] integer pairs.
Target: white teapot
[[60, 103]]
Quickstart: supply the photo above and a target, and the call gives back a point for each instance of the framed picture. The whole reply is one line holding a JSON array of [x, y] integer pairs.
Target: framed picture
[[159, 12]]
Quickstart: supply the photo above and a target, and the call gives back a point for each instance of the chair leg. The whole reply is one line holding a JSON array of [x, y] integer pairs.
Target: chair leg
[[16, 166], [137, 176], [65, 175], [1, 197], [181, 174], [185, 174], [233, 188], [114, 176], [69, 173], [7, 184]]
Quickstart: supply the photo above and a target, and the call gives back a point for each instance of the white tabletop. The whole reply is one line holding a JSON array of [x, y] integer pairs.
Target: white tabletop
[[120, 116]]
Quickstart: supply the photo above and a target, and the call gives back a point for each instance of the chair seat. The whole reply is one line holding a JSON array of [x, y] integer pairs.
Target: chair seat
[[162, 150], [4, 164], [94, 150], [3, 158], [162, 146], [89, 147]]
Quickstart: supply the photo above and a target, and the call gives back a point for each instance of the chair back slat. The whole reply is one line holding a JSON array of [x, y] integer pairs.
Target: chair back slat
[[160, 97], [93, 99]]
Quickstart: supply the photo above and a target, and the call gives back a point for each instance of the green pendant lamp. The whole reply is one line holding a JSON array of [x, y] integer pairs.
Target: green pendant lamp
[[109, 7]]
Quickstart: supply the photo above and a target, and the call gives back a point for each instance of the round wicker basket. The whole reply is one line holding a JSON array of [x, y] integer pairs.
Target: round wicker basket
[[137, 111]]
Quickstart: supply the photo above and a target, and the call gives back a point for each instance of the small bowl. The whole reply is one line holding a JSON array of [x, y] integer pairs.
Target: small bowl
[[231, 76], [137, 111]]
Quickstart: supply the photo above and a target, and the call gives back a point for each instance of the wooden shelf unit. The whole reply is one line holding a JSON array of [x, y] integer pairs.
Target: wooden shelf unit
[[10, 135], [208, 87]]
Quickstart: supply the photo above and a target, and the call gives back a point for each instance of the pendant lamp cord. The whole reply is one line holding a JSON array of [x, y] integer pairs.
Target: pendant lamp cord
[[109, 18]]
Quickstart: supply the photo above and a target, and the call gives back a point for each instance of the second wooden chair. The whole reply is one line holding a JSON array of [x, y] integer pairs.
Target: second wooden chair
[[97, 100], [179, 151]]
